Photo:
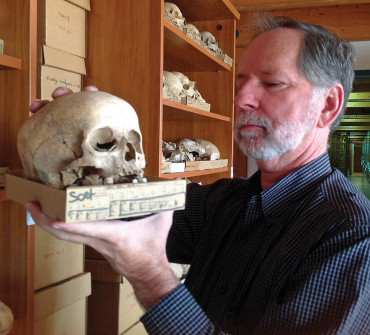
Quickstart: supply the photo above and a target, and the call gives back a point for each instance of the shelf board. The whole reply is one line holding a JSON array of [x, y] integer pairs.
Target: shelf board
[[173, 110], [10, 62], [2, 195], [181, 52], [193, 173], [207, 10]]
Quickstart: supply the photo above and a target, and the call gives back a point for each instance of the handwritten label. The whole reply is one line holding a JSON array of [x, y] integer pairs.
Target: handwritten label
[[123, 200], [64, 82], [64, 16]]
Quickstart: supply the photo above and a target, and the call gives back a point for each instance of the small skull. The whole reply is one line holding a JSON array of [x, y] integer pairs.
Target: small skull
[[188, 87], [192, 149], [211, 42], [211, 152], [193, 31], [84, 138], [175, 14], [172, 84]]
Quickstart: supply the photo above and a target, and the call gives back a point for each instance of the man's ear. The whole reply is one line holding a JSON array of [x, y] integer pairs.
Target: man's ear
[[333, 105]]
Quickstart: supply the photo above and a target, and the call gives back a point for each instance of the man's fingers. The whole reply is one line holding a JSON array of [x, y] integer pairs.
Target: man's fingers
[[91, 88], [37, 105], [61, 91]]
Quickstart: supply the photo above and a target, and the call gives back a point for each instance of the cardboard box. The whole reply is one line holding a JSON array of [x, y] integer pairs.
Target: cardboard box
[[62, 25], [55, 260], [85, 4], [112, 306], [62, 60], [62, 309], [52, 78], [101, 202], [53, 298]]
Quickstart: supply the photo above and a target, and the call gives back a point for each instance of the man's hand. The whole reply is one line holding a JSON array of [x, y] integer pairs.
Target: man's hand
[[58, 92], [136, 249]]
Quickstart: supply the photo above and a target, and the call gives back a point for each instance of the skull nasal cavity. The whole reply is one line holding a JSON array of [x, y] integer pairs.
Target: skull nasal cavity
[[103, 140]]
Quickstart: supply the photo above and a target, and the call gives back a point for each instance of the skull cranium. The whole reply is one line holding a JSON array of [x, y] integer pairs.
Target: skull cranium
[[175, 14], [193, 31], [172, 84], [84, 138], [211, 42], [188, 87]]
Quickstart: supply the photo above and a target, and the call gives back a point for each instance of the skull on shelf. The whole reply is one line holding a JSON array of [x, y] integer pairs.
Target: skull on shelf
[[211, 42], [85, 138], [193, 151], [175, 14], [193, 31], [211, 152], [172, 84], [188, 87]]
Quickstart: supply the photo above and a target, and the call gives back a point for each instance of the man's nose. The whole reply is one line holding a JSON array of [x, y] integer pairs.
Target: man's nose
[[247, 96]]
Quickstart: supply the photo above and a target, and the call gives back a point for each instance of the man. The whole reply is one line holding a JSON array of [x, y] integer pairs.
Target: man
[[284, 252]]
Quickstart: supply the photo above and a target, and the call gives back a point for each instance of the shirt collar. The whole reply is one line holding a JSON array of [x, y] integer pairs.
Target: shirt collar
[[282, 194]]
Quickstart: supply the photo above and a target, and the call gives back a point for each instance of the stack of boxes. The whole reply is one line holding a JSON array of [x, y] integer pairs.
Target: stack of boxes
[[61, 285], [62, 45], [112, 308]]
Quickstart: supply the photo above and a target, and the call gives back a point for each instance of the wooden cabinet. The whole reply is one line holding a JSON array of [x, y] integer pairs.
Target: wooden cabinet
[[17, 90], [130, 44]]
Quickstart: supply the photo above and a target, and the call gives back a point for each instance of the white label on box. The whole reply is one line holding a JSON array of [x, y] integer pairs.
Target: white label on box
[[51, 78], [177, 167], [117, 201]]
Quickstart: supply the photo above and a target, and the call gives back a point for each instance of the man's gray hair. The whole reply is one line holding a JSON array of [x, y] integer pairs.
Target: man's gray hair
[[325, 58]]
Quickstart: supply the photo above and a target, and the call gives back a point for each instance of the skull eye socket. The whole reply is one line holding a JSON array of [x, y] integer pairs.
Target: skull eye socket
[[186, 86], [133, 141], [103, 140]]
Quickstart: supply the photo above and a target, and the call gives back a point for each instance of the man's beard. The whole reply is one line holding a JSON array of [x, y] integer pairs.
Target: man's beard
[[275, 138]]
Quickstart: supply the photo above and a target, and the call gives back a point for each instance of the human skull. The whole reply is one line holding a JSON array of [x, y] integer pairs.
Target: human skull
[[211, 152], [175, 14], [207, 37], [193, 31], [172, 84], [211, 42], [84, 138], [6, 319], [192, 149], [188, 87]]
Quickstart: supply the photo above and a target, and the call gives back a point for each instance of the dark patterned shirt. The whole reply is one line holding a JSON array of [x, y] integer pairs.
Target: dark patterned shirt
[[291, 259]]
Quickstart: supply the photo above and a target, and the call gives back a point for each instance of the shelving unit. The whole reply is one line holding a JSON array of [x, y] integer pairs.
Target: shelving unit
[[17, 91], [141, 45]]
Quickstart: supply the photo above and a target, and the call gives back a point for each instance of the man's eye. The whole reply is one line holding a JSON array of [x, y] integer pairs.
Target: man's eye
[[272, 84]]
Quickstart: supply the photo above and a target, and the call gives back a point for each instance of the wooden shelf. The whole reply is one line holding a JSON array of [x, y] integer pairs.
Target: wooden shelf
[[181, 52], [193, 173], [10, 62], [2, 195], [174, 110], [207, 10]]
